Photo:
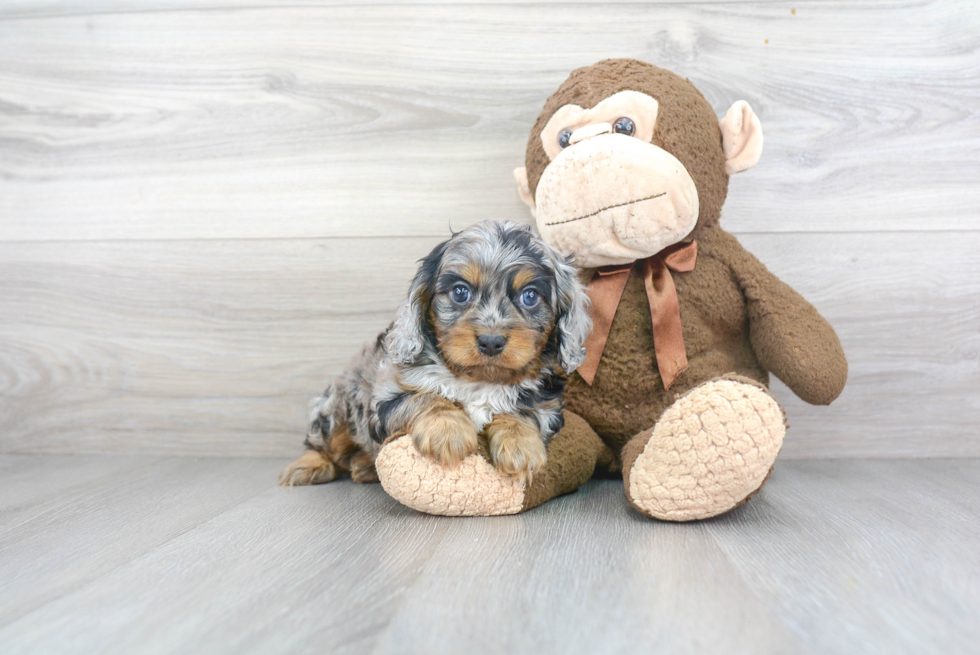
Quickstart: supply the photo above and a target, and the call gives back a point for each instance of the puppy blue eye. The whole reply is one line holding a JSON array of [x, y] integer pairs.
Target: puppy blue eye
[[564, 137], [624, 126], [461, 294], [529, 297]]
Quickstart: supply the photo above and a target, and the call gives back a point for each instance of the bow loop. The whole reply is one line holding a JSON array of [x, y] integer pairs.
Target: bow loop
[[682, 257]]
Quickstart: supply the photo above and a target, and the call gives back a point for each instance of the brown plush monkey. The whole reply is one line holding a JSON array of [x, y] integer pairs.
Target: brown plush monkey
[[627, 169]]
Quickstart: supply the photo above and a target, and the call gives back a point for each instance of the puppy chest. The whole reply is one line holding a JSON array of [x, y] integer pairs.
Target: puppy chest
[[481, 401], [484, 402], [480, 414]]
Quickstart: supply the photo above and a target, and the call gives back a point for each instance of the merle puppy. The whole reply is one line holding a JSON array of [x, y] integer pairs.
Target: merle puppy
[[494, 322]]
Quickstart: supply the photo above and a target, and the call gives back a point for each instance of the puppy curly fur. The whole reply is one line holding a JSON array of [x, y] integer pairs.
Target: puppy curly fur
[[494, 322]]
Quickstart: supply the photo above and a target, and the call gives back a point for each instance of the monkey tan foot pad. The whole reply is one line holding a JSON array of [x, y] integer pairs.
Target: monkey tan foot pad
[[708, 453], [476, 488]]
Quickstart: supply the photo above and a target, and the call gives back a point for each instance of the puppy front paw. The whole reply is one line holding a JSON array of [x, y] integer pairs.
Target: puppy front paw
[[312, 467], [516, 447], [445, 433]]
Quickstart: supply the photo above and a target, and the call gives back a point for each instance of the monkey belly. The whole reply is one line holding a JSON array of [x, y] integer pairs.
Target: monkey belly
[[627, 395]]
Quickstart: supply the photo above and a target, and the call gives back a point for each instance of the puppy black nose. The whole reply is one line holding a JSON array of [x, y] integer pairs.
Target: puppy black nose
[[491, 344]]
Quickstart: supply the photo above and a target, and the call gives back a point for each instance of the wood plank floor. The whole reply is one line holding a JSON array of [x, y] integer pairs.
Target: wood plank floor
[[143, 554]]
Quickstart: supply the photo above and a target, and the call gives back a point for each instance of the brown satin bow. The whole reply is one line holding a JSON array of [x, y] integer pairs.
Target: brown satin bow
[[605, 291]]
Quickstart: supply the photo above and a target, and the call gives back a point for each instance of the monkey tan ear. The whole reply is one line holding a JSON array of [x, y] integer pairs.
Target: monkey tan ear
[[523, 188], [741, 137]]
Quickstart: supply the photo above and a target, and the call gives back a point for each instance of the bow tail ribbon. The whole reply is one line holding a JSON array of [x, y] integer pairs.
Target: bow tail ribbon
[[605, 291]]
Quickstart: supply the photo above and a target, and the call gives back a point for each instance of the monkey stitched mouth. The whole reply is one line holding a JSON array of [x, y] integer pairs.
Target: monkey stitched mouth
[[599, 211]]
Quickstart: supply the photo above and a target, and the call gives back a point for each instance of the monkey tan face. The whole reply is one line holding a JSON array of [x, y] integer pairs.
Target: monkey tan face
[[613, 199], [610, 195], [614, 187]]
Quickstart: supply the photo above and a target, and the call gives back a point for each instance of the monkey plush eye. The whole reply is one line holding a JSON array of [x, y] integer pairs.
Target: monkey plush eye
[[461, 294], [564, 137], [624, 126], [529, 297]]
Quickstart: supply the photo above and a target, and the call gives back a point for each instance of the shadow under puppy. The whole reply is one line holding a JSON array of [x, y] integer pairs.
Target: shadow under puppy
[[494, 321]]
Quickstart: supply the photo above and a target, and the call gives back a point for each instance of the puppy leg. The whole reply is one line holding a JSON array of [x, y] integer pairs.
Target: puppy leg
[[362, 469], [443, 432], [317, 466], [349, 456], [516, 446], [312, 467]]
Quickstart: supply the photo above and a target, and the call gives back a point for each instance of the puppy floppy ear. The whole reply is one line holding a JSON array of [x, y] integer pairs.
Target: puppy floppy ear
[[573, 323], [406, 338]]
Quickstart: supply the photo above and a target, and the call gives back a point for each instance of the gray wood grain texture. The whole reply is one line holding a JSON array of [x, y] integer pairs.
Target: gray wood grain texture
[[97, 525], [880, 531], [206, 207], [30, 484], [215, 347], [397, 120], [21, 9], [832, 557]]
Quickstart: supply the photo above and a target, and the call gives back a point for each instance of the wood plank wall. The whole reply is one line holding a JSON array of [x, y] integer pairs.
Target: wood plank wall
[[206, 207]]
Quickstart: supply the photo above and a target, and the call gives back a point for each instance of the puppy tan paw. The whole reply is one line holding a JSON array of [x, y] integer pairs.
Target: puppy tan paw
[[516, 447], [311, 467], [444, 433]]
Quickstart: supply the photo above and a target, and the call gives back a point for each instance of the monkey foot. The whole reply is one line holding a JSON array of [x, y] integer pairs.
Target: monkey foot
[[474, 488], [709, 452]]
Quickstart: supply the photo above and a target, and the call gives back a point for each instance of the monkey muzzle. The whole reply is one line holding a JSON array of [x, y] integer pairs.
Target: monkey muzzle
[[613, 199]]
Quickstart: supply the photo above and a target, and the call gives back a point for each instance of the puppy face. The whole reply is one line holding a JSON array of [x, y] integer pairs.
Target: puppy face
[[492, 316], [496, 303]]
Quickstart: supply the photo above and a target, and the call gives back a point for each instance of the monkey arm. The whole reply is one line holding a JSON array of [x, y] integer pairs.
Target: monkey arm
[[789, 337]]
